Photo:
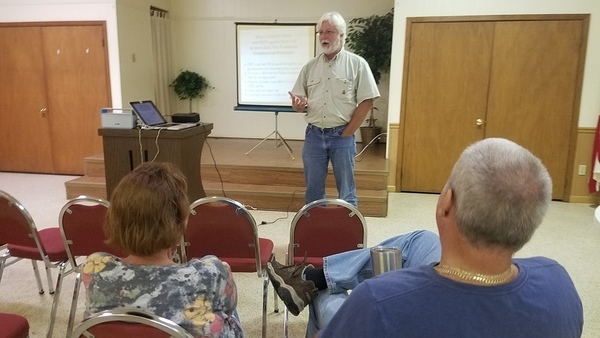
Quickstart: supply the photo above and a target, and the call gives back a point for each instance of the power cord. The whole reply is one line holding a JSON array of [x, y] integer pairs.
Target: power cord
[[376, 138], [142, 147], [287, 212], [216, 168]]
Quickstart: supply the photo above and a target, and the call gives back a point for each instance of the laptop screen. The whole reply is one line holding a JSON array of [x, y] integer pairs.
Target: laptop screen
[[148, 113]]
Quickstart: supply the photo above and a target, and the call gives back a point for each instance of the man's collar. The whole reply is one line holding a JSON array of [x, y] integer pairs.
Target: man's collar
[[333, 58]]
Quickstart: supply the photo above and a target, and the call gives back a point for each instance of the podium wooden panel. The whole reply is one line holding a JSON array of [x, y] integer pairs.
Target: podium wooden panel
[[124, 149]]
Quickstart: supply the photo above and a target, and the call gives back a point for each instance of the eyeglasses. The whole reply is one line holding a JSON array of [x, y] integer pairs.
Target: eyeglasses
[[327, 32]]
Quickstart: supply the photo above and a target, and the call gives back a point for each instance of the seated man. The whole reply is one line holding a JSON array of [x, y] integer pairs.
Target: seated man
[[325, 289], [494, 200]]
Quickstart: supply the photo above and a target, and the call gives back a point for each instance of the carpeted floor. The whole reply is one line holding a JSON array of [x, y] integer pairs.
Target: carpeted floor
[[568, 234]]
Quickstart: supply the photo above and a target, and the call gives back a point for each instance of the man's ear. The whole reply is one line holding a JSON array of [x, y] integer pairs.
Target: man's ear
[[446, 202]]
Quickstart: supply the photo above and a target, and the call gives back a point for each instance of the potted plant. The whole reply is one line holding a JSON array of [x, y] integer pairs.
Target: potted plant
[[371, 38], [370, 131], [189, 85]]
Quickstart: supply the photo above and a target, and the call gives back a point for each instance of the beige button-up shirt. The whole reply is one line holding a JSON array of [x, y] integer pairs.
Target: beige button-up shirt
[[334, 88]]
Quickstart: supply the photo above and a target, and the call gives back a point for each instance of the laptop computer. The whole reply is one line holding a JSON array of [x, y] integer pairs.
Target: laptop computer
[[151, 118]]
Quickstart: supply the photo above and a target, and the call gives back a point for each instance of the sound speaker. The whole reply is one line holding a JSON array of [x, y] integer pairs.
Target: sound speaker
[[185, 118]]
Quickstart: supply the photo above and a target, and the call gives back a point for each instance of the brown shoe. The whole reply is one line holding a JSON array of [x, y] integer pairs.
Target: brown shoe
[[293, 290]]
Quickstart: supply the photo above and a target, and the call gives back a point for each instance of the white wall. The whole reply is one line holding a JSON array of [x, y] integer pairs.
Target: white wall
[[590, 95], [72, 10], [135, 49], [204, 41]]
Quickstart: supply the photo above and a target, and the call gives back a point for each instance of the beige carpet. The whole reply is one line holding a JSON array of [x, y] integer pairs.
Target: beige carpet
[[568, 235]]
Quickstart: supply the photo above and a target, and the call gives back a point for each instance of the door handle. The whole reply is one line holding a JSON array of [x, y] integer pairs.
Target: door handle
[[479, 122], [43, 111]]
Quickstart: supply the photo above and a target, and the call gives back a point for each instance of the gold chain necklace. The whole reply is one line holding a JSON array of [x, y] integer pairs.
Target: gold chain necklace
[[475, 277]]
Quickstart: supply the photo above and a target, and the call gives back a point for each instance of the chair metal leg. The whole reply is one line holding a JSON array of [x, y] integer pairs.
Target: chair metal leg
[[49, 276], [56, 299], [74, 304], [285, 322], [264, 314], [275, 301], [37, 277], [3, 264]]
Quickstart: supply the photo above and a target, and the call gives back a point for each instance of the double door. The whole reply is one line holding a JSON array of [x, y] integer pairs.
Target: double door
[[54, 82], [518, 79]]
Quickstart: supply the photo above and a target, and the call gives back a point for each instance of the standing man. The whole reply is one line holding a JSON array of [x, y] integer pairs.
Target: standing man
[[337, 89]]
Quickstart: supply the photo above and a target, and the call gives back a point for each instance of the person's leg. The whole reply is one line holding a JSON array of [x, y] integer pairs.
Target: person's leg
[[345, 270], [342, 151], [322, 309], [315, 161]]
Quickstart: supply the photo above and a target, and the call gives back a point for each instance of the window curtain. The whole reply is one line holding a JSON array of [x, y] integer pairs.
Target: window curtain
[[161, 49]]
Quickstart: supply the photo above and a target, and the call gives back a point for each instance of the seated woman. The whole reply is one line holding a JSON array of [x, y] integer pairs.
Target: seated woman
[[146, 219]]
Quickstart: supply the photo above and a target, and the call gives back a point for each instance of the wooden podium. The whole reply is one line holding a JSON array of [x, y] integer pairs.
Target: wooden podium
[[124, 149]]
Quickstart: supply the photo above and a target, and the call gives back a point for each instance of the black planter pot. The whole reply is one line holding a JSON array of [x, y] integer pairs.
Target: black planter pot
[[368, 134]]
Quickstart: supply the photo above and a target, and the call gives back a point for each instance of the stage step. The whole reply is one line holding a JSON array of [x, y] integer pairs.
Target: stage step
[[86, 185], [93, 166], [262, 197], [289, 177], [275, 185], [284, 198]]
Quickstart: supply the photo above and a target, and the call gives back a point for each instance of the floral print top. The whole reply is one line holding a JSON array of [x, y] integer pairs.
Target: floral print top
[[199, 295]]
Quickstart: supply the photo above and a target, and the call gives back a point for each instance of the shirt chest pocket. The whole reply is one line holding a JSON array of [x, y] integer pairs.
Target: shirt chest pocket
[[313, 88], [343, 89]]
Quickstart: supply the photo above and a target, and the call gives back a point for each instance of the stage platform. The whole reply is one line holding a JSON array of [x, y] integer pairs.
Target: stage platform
[[266, 177]]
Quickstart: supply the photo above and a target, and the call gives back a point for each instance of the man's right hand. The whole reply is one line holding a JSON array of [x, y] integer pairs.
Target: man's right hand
[[298, 103]]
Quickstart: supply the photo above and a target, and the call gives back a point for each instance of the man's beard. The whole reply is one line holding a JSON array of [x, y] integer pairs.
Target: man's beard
[[331, 47]]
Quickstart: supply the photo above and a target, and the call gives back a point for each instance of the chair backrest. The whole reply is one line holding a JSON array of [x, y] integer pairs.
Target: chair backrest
[[325, 227], [222, 227], [128, 323], [81, 222], [18, 229]]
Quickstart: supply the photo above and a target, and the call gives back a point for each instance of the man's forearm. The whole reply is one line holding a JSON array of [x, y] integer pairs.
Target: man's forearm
[[360, 114]]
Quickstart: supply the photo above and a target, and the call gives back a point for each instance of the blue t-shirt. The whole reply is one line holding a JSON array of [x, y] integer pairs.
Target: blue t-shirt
[[417, 302]]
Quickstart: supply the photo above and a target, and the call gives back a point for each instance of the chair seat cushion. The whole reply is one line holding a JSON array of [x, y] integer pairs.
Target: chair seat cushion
[[52, 243], [248, 264], [13, 326]]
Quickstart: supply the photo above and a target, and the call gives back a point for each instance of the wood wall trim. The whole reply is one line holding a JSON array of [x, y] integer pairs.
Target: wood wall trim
[[513, 17], [53, 23]]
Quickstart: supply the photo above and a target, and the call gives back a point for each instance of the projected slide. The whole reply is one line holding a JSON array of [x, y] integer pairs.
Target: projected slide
[[269, 59]]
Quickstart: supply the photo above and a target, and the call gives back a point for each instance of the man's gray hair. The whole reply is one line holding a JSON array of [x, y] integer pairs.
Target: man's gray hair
[[336, 20], [502, 192]]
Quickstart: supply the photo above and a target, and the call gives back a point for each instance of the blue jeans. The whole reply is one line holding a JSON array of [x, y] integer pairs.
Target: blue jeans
[[346, 270], [321, 146]]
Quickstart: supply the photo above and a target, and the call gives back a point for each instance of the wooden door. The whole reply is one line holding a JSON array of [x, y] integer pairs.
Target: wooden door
[[77, 86], [528, 92], [447, 93], [533, 89], [54, 82], [24, 127]]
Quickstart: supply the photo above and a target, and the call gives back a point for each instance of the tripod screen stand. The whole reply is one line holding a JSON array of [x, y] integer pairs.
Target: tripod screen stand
[[279, 140]]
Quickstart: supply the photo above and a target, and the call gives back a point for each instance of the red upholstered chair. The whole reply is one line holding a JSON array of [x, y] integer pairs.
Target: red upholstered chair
[[224, 228], [126, 323], [323, 228], [13, 326], [81, 222], [24, 241]]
